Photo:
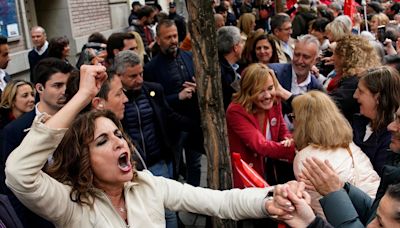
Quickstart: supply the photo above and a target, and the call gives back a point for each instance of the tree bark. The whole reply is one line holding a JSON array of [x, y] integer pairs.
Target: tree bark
[[209, 91]]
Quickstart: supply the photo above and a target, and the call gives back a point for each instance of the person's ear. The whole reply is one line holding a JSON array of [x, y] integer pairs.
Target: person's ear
[[115, 51], [98, 103], [39, 87]]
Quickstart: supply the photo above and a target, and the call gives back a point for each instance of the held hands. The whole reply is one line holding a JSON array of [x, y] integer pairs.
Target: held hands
[[287, 142], [290, 204], [281, 207], [303, 214], [320, 176]]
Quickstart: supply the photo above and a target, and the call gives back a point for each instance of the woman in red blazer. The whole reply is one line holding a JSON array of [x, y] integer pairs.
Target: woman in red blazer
[[256, 128]]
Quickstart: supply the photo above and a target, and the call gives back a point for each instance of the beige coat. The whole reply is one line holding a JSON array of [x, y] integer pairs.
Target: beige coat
[[361, 175], [145, 198]]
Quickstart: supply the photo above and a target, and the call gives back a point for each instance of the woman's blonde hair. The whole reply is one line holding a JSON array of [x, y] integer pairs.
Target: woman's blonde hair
[[318, 121], [253, 80], [382, 18], [245, 23], [338, 29], [356, 55], [140, 46], [10, 92]]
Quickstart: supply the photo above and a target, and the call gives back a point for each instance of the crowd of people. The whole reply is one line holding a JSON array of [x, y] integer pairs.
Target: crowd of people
[[311, 98]]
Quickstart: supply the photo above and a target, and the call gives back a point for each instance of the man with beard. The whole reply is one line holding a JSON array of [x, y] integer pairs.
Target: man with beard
[[173, 69], [51, 77], [146, 16]]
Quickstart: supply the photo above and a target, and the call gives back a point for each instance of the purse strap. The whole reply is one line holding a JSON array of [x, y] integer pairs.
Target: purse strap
[[354, 165]]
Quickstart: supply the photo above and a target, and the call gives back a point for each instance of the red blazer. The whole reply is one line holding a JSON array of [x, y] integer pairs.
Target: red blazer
[[246, 138]]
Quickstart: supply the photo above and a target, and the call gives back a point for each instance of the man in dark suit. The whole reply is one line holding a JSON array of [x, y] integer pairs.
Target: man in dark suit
[[51, 77], [230, 47], [4, 59], [149, 120], [298, 77]]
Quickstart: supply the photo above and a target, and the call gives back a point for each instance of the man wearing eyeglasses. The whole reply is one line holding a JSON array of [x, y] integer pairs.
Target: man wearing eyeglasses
[[281, 28]]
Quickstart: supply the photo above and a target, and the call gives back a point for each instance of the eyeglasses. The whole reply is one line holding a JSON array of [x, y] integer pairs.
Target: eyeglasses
[[291, 117], [286, 29]]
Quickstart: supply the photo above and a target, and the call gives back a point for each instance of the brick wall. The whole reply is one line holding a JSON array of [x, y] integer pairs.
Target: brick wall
[[89, 16]]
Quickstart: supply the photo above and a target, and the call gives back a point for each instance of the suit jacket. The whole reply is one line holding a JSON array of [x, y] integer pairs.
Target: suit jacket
[[245, 137], [228, 75], [7, 78], [376, 147], [284, 74]]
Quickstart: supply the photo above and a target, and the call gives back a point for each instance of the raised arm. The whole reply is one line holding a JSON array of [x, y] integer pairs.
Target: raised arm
[[92, 77], [35, 189]]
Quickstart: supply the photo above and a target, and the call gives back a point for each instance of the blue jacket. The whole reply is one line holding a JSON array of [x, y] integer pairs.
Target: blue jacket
[[166, 122], [283, 72]]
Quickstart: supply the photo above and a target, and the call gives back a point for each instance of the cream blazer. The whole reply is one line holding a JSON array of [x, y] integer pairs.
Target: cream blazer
[[361, 174], [145, 198]]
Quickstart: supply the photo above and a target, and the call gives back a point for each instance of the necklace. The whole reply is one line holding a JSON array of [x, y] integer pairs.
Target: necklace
[[122, 209]]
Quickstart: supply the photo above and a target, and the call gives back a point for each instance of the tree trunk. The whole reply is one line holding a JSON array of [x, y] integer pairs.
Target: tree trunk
[[209, 90]]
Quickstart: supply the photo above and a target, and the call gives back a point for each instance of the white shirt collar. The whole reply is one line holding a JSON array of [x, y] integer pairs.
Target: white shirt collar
[[302, 87], [3, 82], [42, 49], [37, 109]]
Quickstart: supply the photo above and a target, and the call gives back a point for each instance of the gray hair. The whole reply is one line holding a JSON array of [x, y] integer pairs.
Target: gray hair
[[39, 29], [346, 20], [125, 59], [309, 39], [227, 37]]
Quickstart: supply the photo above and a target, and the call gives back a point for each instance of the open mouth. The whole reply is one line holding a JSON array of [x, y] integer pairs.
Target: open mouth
[[123, 162]]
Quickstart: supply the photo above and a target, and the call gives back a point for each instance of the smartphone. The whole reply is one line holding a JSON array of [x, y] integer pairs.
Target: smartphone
[[381, 36]]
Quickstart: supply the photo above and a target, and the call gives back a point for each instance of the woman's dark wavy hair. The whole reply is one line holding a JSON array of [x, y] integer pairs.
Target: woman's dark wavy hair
[[385, 82], [56, 46], [271, 40], [71, 160]]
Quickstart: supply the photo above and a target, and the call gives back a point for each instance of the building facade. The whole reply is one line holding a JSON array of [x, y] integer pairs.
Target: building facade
[[76, 19]]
